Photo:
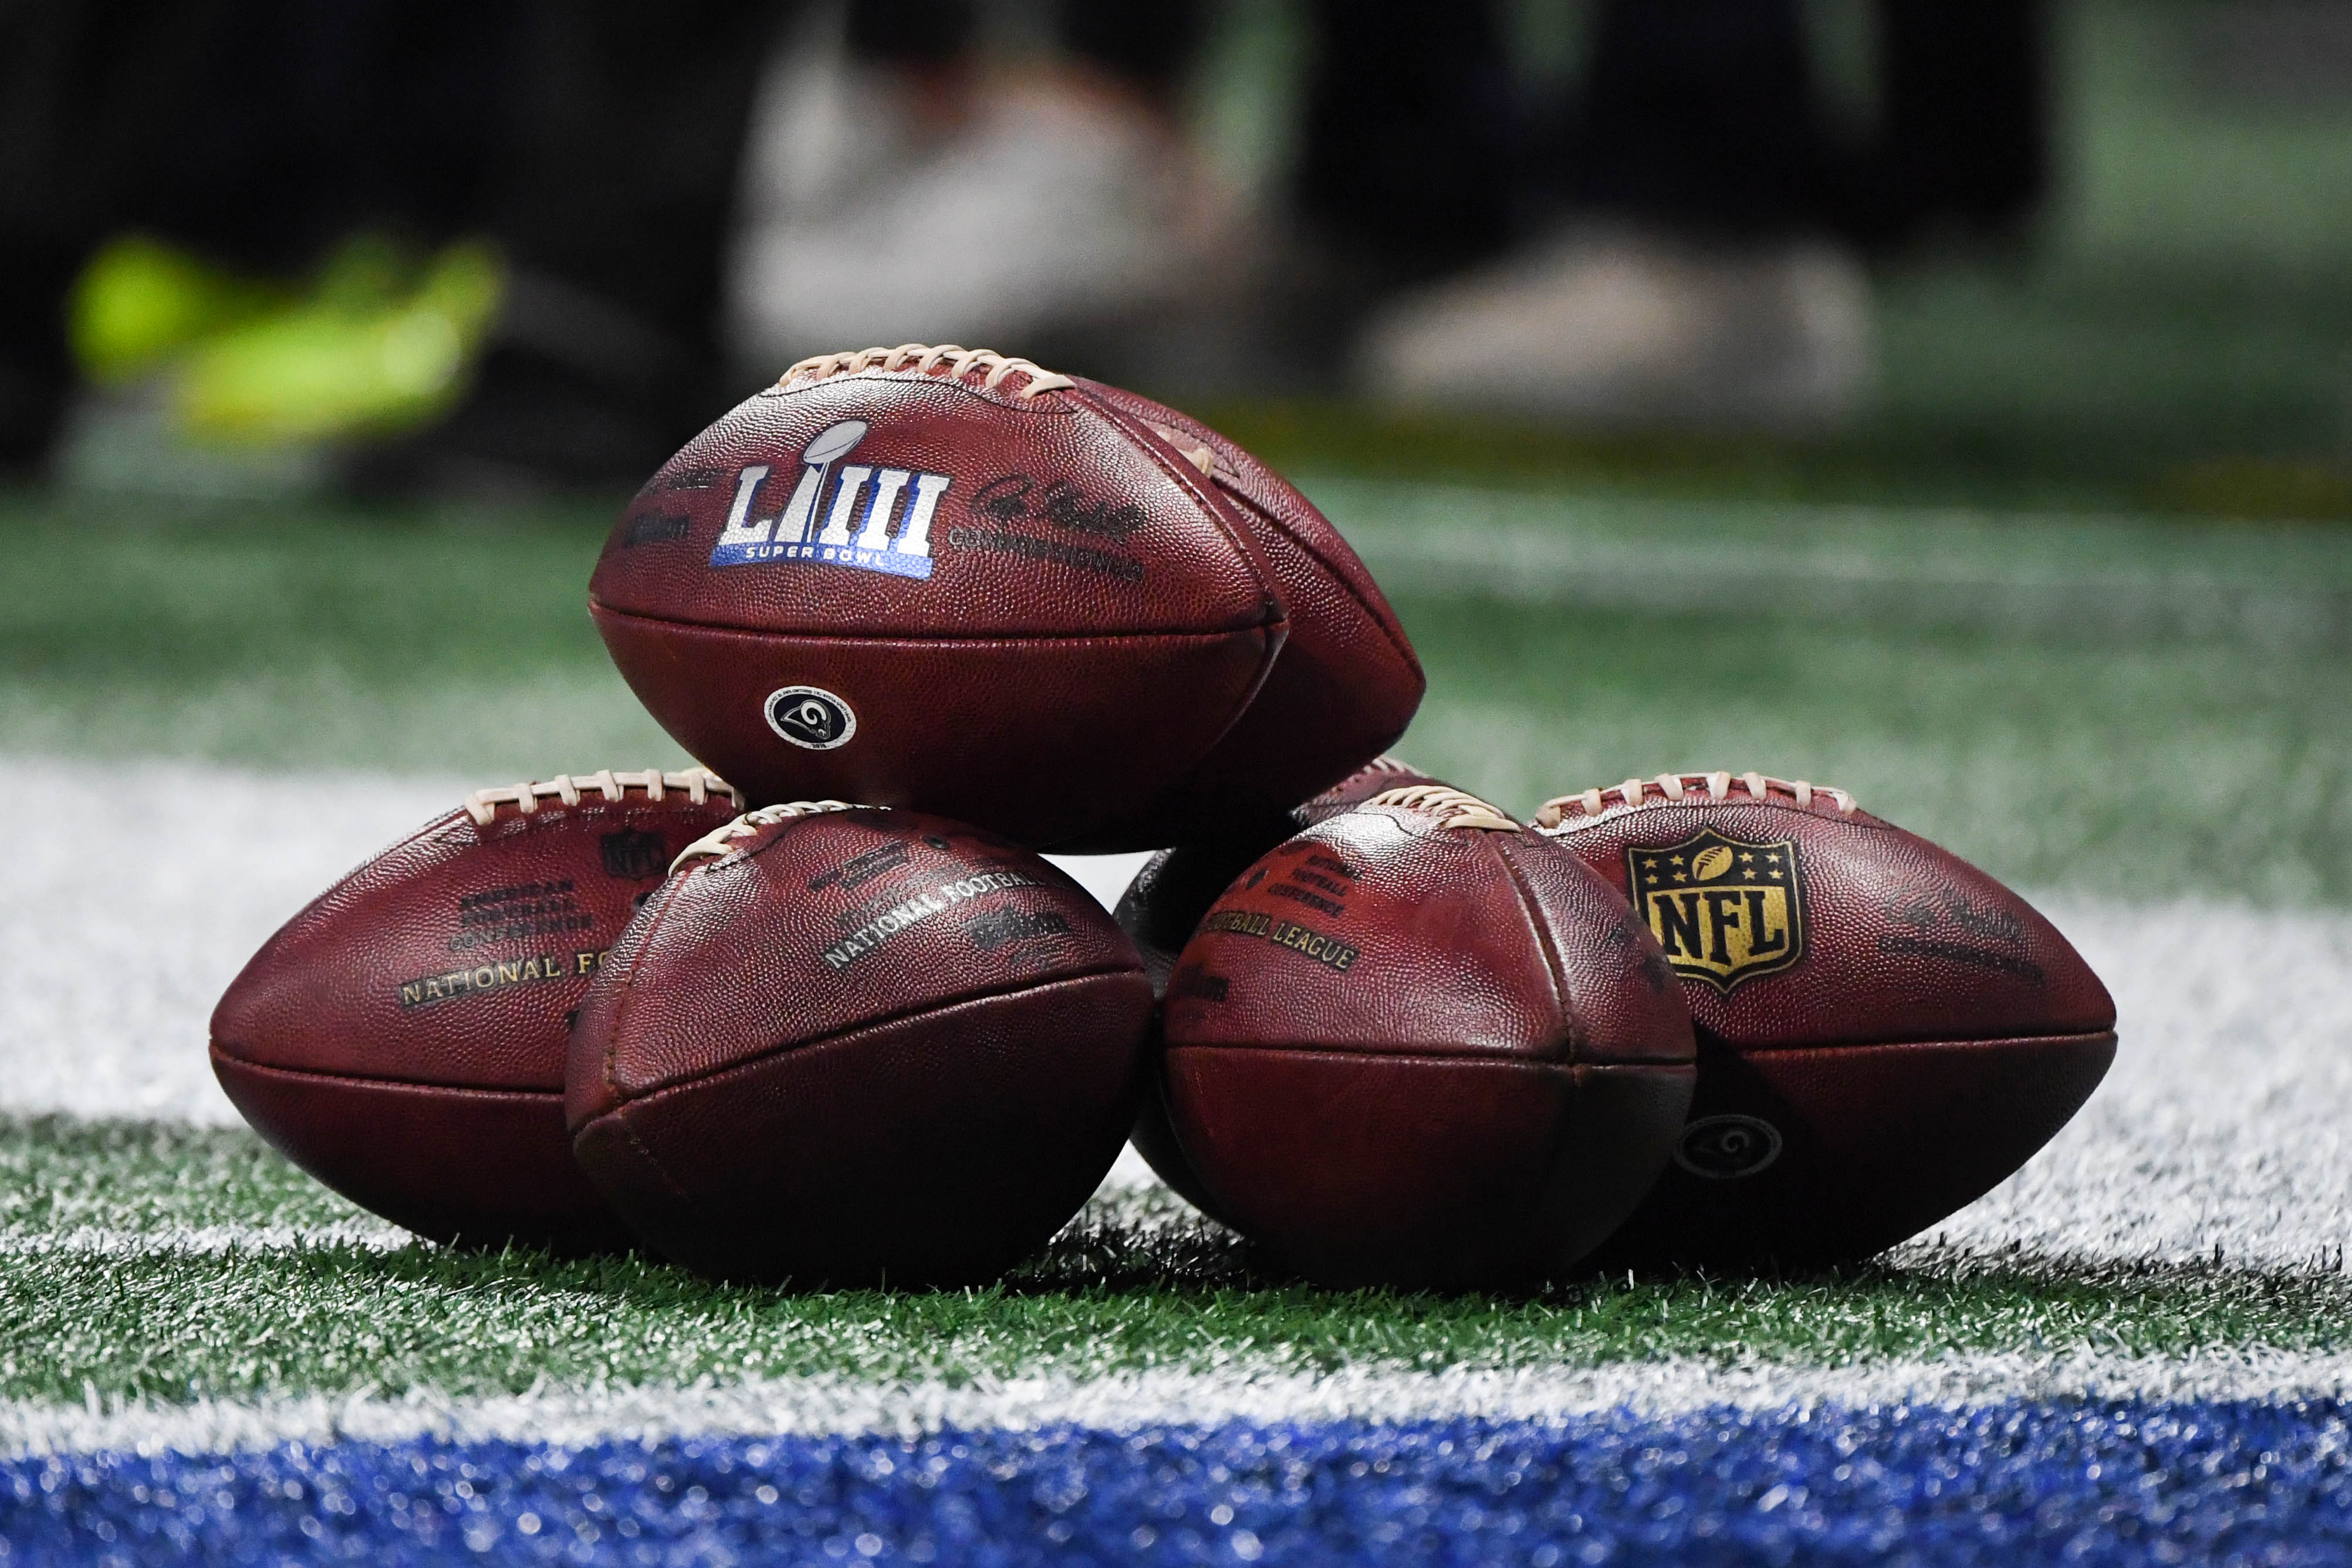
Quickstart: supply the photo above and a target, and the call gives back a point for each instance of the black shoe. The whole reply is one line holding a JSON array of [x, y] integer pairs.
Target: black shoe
[[571, 397]]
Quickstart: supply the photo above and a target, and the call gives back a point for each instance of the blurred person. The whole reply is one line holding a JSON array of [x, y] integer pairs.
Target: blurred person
[[904, 187], [595, 142], [1682, 242], [1708, 267]]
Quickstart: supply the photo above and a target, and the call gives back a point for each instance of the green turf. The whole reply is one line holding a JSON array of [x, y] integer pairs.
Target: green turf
[[2124, 705], [289, 637], [119, 1271]]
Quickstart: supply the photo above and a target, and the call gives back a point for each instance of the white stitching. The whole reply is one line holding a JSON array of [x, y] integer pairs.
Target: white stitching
[[926, 360], [1467, 810], [719, 840], [700, 783], [1553, 813]]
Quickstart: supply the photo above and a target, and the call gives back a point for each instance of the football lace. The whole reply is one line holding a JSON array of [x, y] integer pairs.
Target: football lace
[[1455, 808], [1679, 786], [699, 784], [926, 360], [719, 840]]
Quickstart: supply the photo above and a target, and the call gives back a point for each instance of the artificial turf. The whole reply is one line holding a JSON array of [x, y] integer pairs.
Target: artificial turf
[[2132, 705], [139, 1260]]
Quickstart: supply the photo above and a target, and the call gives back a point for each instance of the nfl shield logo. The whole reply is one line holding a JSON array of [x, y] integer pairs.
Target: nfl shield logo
[[1725, 911], [632, 856]]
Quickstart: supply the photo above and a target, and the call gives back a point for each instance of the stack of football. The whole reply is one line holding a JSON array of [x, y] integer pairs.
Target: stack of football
[[932, 611]]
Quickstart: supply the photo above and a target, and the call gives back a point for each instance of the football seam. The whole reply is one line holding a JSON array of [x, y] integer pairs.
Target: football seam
[[677, 1188], [862, 1024], [1389, 626], [227, 1052], [1280, 618], [1832, 1047], [1437, 1056], [1563, 1000], [1204, 489], [1209, 497], [668, 895]]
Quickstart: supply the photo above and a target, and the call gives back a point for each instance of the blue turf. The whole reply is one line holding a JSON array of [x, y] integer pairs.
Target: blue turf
[[2093, 1484]]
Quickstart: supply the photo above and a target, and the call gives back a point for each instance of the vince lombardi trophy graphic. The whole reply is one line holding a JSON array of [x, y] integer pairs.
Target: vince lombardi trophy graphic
[[832, 444]]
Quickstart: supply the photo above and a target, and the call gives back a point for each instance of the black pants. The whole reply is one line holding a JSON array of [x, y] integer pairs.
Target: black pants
[[1420, 153], [597, 141]]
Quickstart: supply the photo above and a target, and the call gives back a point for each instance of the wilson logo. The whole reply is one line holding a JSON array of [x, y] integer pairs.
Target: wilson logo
[[874, 519], [1724, 909]]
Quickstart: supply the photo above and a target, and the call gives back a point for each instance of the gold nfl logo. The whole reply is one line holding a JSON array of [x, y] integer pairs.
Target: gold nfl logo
[[1725, 911]]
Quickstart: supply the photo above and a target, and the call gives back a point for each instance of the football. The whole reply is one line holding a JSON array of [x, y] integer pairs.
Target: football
[[1163, 905], [402, 1038], [1417, 1045], [1884, 1031], [945, 580], [847, 1045]]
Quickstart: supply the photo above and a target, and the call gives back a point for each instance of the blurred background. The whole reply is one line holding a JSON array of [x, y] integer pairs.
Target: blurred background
[[1949, 399]]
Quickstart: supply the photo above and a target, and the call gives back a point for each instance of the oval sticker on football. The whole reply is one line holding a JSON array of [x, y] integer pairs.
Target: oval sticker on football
[[810, 716], [1725, 1148]]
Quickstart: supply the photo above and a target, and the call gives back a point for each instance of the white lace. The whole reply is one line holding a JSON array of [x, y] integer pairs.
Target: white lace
[[699, 784], [1439, 800], [926, 360], [719, 840], [1678, 786], [1194, 450]]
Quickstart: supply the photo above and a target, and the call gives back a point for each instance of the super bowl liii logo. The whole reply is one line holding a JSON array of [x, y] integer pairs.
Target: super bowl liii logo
[[858, 529], [1725, 911]]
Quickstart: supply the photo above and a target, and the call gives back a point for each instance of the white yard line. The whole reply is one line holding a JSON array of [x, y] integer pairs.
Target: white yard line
[[2269, 585], [150, 884], [2224, 1123], [1136, 1401], [365, 1233]]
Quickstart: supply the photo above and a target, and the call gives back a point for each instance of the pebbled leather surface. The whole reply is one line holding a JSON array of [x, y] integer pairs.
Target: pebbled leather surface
[[1447, 1173], [1854, 1055], [939, 726], [1063, 530], [1174, 888], [495, 932], [1902, 939], [1164, 903], [1069, 521], [1179, 562], [416, 1155], [1347, 681], [1878, 1142], [928, 1104], [1379, 935]]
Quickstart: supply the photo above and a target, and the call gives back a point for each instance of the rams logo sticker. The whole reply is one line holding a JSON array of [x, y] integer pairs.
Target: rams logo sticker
[[1725, 1148], [811, 717], [878, 519], [1725, 911]]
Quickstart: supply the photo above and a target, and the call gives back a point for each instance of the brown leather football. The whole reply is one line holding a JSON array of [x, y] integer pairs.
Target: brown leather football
[[1417, 1045], [856, 1046], [947, 580], [1162, 907], [1884, 1031], [402, 1038]]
